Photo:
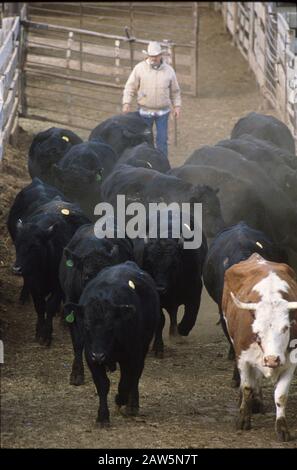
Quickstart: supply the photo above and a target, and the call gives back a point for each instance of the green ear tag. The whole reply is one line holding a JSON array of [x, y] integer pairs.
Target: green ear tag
[[69, 263], [98, 177], [70, 317]]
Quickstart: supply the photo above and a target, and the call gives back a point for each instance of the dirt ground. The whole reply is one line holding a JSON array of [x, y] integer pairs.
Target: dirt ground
[[186, 399]]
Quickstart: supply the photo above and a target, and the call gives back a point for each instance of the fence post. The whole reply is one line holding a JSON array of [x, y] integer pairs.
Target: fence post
[[80, 40], [194, 54], [130, 47], [117, 59], [235, 12], [68, 83], [22, 62]]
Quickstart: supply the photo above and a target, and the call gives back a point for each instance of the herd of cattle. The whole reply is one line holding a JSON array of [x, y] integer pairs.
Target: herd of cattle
[[114, 290]]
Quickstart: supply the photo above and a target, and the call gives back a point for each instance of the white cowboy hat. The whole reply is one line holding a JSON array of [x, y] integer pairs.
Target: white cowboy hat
[[153, 49]]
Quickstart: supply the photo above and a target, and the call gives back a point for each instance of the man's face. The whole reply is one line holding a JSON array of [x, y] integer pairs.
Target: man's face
[[155, 60]]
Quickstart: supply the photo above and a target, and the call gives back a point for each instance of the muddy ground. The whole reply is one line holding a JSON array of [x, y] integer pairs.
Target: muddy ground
[[186, 398]]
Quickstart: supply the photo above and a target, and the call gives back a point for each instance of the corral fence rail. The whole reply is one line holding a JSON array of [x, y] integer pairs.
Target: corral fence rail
[[73, 58], [75, 69], [10, 72], [266, 35]]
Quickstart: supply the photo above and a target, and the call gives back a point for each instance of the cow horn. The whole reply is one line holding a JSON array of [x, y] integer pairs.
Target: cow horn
[[244, 305], [292, 305]]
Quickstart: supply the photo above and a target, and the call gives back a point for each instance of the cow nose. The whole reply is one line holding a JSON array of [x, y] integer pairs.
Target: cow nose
[[17, 269], [271, 361], [98, 357]]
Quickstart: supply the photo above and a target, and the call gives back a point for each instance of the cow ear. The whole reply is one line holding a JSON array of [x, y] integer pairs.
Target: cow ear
[[127, 134], [19, 224], [50, 232], [72, 311], [114, 252]]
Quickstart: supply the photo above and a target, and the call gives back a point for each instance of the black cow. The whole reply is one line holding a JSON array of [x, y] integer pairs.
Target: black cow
[[266, 128], [146, 156], [83, 258], [26, 202], [176, 270], [246, 204], [118, 314], [39, 244], [123, 131], [280, 209], [275, 162], [80, 172], [230, 246], [144, 185], [47, 148]]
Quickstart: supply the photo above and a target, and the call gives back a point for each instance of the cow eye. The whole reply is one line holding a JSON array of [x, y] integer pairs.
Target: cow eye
[[285, 328]]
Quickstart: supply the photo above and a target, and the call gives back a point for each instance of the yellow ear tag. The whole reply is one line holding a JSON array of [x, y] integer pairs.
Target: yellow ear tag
[[64, 137], [131, 284], [65, 211], [259, 244]]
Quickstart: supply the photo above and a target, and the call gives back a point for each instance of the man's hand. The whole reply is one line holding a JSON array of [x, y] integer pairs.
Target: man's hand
[[126, 108], [176, 112]]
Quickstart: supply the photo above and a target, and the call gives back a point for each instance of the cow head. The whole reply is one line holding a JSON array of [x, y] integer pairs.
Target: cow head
[[211, 209], [271, 327], [89, 265], [75, 181], [103, 322], [162, 259], [30, 245]]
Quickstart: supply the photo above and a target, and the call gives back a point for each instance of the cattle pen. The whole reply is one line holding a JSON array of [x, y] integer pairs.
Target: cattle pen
[[186, 400]]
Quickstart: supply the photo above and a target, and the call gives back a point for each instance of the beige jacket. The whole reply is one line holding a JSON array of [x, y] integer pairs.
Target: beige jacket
[[156, 89]]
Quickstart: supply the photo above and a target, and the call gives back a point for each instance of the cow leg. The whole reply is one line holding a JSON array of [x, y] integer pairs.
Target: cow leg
[[77, 373], [231, 353], [102, 385], [257, 404], [173, 321], [235, 382], [39, 304], [158, 346], [52, 307], [128, 393], [25, 294], [189, 318], [247, 390], [280, 398]]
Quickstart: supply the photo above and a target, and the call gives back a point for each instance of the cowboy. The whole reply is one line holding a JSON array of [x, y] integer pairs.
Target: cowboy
[[157, 90]]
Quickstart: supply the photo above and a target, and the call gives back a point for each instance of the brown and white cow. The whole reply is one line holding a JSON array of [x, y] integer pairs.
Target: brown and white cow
[[260, 308]]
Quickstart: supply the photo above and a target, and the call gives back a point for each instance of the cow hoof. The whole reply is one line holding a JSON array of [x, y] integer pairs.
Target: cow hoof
[[282, 430], [235, 383], [132, 410], [45, 341], [182, 330], [257, 406], [103, 424], [231, 355], [159, 354], [243, 423], [77, 379]]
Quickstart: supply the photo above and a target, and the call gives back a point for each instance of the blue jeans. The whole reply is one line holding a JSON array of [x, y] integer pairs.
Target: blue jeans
[[162, 131]]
